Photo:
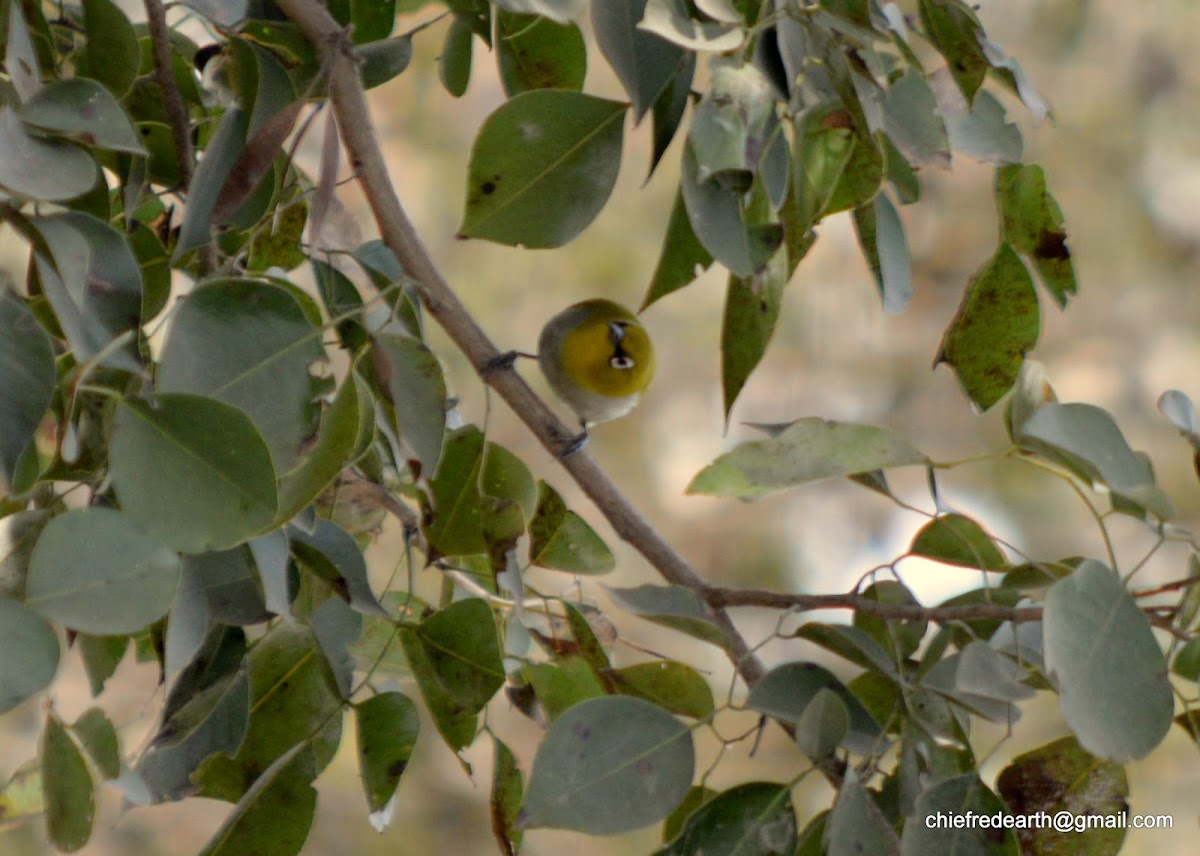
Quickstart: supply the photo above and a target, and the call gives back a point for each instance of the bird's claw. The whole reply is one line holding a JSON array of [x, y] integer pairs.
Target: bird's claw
[[574, 444], [499, 363]]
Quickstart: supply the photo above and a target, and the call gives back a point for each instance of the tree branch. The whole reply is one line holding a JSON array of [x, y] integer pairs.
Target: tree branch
[[350, 104], [181, 129], [724, 597], [719, 597]]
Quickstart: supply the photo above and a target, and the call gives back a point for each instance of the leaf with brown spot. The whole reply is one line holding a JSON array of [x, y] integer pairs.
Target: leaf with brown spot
[[996, 323], [255, 162], [1031, 222]]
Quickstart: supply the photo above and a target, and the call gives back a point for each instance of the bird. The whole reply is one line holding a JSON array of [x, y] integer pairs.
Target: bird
[[597, 358]]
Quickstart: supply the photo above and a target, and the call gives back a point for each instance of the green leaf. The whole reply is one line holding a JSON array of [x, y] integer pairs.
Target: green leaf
[[584, 622], [881, 236], [455, 657], [192, 471], [18, 536], [45, 170], [956, 797], [697, 796], [1186, 662], [677, 607], [983, 673], [643, 62], [21, 61], [388, 726], [748, 324], [859, 180], [454, 65], [222, 152], [1086, 440], [731, 123], [152, 259], [672, 686], [537, 53], [99, 738], [824, 145], [903, 177], [788, 691], [477, 14], [667, 110], [30, 658], [337, 628], [27, 381], [958, 540], [1113, 686], [823, 726], [21, 799], [454, 528], [113, 52], [372, 19], [280, 246], [806, 450], [83, 110], [899, 637], [1033, 224], [66, 789], [101, 655], [94, 572], [609, 765], [249, 344], [292, 702], [562, 685], [913, 122], [561, 11], [94, 285], [505, 798], [562, 540], [384, 60], [715, 213], [337, 438], [955, 32], [983, 130], [1010, 73], [1178, 408], [852, 643], [1062, 776], [682, 258], [461, 643], [276, 812], [542, 167], [855, 824], [752, 819], [211, 718], [996, 323], [411, 378], [334, 555], [670, 20]]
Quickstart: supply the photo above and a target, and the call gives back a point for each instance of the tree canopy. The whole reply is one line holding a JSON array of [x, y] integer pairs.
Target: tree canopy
[[210, 404]]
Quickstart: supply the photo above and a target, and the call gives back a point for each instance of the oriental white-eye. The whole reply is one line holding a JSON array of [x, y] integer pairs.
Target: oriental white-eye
[[598, 359]]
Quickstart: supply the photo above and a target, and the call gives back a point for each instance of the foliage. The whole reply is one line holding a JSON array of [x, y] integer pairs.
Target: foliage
[[175, 442]]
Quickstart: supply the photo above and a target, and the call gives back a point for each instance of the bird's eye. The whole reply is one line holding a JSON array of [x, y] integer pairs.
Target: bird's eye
[[621, 361]]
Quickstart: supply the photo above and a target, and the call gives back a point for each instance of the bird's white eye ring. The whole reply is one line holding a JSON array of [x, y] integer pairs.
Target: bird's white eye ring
[[621, 361]]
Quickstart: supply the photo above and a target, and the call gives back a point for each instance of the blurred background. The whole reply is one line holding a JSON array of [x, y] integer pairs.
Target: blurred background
[[1122, 156]]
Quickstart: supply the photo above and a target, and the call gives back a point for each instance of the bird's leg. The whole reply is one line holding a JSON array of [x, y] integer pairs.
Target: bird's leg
[[576, 443], [502, 362]]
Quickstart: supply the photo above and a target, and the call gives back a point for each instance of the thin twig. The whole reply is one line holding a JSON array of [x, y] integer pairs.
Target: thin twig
[[353, 117], [181, 128], [725, 597]]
